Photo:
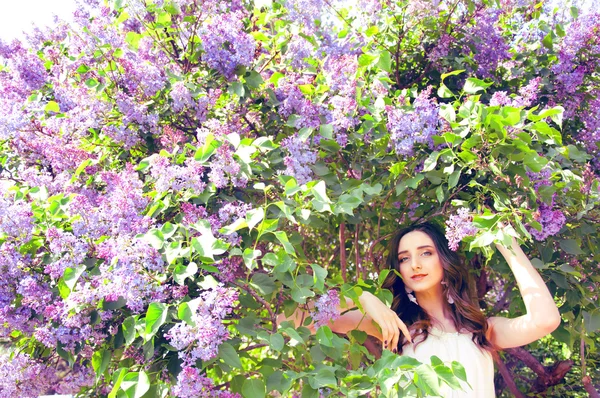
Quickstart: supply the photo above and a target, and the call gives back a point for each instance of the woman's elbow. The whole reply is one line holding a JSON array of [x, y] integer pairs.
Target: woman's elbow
[[549, 322]]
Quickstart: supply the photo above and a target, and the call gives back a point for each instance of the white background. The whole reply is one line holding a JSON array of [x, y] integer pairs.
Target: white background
[[17, 16]]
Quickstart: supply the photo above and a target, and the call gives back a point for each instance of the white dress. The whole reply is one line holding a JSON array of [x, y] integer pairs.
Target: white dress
[[455, 346]]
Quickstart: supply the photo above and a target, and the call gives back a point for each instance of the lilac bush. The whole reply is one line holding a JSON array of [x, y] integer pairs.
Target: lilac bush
[[175, 175]]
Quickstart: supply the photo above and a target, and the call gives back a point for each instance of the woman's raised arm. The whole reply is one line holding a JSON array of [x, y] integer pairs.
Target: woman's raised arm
[[542, 315]]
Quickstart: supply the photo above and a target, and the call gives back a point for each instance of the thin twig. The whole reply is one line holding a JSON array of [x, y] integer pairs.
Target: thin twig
[[343, 261]]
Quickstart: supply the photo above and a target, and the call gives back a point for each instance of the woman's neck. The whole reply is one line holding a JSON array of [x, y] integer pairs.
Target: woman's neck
[[434, 305]]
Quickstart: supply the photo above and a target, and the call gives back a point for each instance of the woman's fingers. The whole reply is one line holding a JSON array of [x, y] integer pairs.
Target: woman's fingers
[[402, 326], [393, 335], [396, 339], [385, 335]]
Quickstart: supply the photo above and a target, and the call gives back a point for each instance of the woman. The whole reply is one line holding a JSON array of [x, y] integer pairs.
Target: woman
[[435, 313]]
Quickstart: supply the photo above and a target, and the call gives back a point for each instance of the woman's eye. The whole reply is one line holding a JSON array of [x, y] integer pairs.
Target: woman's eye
[[426, 253], [402, 259]]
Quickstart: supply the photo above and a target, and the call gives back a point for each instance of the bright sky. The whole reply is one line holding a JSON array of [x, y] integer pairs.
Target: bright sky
[[18, 15]]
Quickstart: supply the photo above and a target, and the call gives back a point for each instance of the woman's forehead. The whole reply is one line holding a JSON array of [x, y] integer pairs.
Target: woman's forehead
[[414, 240]]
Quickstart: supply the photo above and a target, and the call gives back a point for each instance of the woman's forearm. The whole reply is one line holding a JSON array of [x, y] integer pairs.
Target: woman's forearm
[[539, 303]]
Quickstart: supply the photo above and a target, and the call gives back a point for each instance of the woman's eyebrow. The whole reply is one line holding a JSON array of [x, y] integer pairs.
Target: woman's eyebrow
[[418, 248]]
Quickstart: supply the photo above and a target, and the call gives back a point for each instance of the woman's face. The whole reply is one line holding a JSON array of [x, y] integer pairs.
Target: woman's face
[[419, 262]]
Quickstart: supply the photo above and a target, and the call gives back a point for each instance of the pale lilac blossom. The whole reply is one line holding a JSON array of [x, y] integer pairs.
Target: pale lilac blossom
[[458, 227], [326, 308]]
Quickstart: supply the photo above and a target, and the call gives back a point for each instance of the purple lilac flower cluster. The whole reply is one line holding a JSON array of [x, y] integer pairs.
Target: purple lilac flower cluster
[[293, 102], [551, 220], [459, 226], [340, 73], [229, 268], [489, 46], [191, 384], [305, 12], [172, 138], [16, 218], [327, 309], [298, 50], [173, 177], [24, 376], [417, 126], [67, 250], [299, 159], [223, 166], [118, 211], [226, 44], [15, 317], [572, 69], [192, 213], [201, 339], [228, 213], [126, 273], [527, 95]]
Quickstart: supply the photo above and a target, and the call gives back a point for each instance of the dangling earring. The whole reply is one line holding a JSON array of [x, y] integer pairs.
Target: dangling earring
[[411, 296], [448, 297]]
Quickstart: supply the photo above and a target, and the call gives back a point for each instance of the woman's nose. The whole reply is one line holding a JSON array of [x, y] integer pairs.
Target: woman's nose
[[415, 264]]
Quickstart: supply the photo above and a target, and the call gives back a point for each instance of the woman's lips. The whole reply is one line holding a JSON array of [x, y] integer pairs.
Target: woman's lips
[[418, 277]]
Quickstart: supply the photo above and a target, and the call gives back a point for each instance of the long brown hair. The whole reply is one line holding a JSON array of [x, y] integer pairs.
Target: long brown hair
[[465, 311]]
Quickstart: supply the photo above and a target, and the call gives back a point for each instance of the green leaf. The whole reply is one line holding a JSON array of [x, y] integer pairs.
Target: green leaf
[[459, 370], [168, 230], [135, 384], [366, 59], [254, 388], [52, 106], [100, 361], [300, 294], [186, 312], [209, 147], [263, 283], [591, 321], [283, 239], [277, 342], [444, 92], [71, 276], [155, 238], [128, 327], [254, 216], [319, 275], [453, 73], [453, 179], [547, 41], [431, 161], [325, 377], [237, 88], [326, 130], [207, 246], [385, 61], [117, 380], [427, 378], [474, 85], [228, 354], [254, 80], [571, 246], [250, 257], [325, 336], [181, 272], [535, 162], [155, 318], [80, 169]]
